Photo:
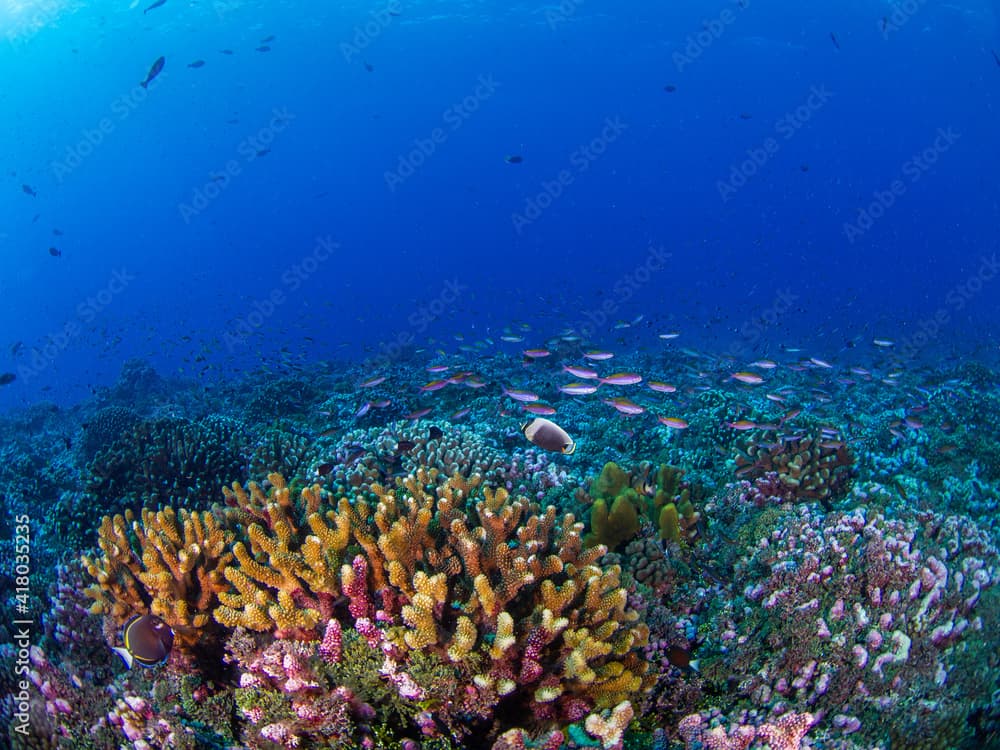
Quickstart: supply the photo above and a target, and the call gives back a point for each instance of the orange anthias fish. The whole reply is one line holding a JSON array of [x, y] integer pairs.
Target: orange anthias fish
[[580, 372], [542, 410], [674, 423], [656, 385], [434, 385], [625, 406], [750, 378], [519, 395], [577, 389], [621, 378]]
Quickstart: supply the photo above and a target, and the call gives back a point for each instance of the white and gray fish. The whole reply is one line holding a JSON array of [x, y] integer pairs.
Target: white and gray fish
[[549, 436]]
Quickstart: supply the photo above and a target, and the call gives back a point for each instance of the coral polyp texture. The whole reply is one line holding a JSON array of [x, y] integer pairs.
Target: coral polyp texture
[[810, 468], [499, 592], [856, 614], [169, 564]]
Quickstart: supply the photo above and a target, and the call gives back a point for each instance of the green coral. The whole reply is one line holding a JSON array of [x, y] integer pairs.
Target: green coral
[[615, 525], [610, 482], [619, 508]]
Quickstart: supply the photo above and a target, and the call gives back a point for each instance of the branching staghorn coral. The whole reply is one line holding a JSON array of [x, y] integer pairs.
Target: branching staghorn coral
[[289, 578], [470, 575], [170, 564]]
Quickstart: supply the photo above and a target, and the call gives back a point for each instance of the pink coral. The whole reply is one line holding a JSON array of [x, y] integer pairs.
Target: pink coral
[[331, 648], [785, 733]]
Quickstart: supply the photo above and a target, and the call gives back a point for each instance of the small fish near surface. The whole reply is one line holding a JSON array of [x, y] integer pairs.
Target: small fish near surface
[[55, 252], [148, 641], [549, 436], [197, 64], [28, 190], [157, 4], [514, 159], [7, 378], [154, 70], [263, 48], [833, 38]]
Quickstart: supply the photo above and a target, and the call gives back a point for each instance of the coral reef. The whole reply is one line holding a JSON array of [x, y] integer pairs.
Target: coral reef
[[105, 427], [280, 450], [171, 565], [854, 614], [75, 634], [783, 733], [812, 467], [446, 565], [168, 461], [622, 501]]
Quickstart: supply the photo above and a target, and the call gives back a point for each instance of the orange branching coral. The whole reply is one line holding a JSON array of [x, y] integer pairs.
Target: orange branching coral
[[171, 567], [288, 578], [573, 645], [493, 585]]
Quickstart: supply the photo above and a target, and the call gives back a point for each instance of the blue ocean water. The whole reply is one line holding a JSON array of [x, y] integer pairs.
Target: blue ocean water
[[352, 242], [137, 180]]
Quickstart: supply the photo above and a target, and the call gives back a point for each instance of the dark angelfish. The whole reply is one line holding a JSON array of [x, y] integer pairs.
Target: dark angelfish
[[148, 641]]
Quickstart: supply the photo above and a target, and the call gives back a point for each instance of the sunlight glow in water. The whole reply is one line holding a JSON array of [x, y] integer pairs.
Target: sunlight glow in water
[[22, 18]]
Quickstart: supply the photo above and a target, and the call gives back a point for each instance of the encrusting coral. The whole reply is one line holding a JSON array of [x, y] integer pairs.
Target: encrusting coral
[[483, 581], [169, 565]]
